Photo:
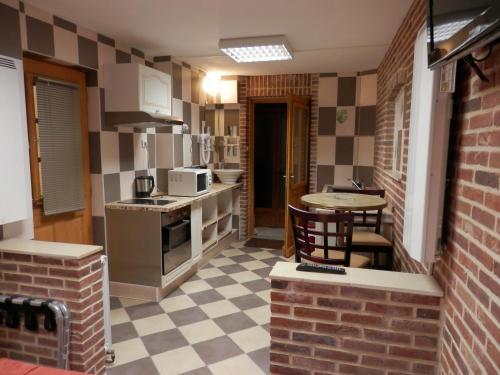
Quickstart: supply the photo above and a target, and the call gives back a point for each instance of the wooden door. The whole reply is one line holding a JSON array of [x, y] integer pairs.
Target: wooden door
[[297, 166], [75, 226], [269, 164]]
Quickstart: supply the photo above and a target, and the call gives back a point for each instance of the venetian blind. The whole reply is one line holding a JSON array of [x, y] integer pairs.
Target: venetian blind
[[58, 111]]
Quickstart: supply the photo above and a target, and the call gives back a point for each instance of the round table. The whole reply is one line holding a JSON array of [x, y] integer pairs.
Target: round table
[[344, 201]]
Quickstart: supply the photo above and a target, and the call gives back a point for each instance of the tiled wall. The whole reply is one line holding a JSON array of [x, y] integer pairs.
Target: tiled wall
[[468, 269], [346, 131]]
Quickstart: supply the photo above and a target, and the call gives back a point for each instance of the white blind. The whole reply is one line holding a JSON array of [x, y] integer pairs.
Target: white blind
[[60, 143]]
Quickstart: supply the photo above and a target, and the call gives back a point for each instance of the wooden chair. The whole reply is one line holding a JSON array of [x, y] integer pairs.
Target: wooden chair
[[306, 231], [369, 240]]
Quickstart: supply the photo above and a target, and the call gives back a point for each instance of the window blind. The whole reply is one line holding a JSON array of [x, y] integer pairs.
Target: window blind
[[60, 144]]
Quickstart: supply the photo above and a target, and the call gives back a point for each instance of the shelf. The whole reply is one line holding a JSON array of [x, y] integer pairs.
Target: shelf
[[223, 215], [206, 223], [205, 245], [224, 234]]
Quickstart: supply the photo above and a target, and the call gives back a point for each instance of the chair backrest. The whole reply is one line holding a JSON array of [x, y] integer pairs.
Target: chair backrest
[[314, 238], [365, 219]]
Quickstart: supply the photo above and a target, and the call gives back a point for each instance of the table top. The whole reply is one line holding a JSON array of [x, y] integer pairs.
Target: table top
[[344, 201]]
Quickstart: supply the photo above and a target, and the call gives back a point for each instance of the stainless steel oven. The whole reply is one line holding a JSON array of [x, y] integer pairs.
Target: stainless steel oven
[[176, 239]]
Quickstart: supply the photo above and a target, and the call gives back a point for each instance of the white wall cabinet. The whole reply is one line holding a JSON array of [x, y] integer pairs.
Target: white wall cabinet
[[136, 87], [15, 186]]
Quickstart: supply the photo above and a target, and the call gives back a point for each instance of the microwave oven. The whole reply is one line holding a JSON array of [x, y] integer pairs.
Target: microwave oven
[[189, 182]]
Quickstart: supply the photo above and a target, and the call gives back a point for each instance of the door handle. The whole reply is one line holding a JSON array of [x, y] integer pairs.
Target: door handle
[[284, 176]]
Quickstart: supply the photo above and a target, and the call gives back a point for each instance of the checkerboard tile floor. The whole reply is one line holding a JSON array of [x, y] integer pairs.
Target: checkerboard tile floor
[[217, 322]]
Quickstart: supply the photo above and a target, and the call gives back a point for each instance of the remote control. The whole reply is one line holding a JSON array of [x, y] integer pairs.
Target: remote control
[[307, 267]]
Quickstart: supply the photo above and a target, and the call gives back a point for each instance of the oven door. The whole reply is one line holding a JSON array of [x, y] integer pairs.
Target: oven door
[[176, 245]]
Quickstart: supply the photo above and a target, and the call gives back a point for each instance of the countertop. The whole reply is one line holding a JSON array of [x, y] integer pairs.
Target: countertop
[[180, 202], [363, 278], [48, 249]]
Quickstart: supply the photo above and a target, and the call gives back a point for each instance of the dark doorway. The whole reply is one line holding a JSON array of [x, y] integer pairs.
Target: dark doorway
[[270, 121]]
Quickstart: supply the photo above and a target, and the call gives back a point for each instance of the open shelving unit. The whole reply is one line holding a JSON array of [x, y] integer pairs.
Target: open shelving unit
[[217, 218]]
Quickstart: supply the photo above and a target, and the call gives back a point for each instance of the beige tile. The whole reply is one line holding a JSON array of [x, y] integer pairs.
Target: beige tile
[[126, 302], [153, 324], [328, 91], [87, 33], [254, 265], [127, 184], [177, 107], [201, 331], [343, 175], [368, 90], [128, 351], [265, 295], [164, 151], [207, 273], [326, 150], [260, 315], [140, 153], [263, 255], [65, 45], [97, 194], [219, 308], [219, 262], [251, 339], [231, 291], [119, 316], [232, 252], [243, 277], [364, 150], [347, 127], [110, 158], [177, 303], [239, 244], [177, 361], [241, 365], [195, 118], [37, 13], [195, 286]]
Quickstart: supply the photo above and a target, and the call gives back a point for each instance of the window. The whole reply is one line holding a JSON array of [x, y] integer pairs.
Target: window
[[397, 137]]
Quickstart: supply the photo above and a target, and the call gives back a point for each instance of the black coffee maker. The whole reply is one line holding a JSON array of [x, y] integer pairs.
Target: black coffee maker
[[144, 186]]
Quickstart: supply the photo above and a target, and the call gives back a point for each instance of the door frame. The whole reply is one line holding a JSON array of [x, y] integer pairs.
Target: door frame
[[33, 68]]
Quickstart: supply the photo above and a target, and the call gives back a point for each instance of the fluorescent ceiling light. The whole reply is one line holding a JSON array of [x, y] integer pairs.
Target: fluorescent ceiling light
[[266, 48]]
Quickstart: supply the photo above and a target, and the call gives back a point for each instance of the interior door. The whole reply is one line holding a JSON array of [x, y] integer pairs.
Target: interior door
[[297, 165], [74, 226]]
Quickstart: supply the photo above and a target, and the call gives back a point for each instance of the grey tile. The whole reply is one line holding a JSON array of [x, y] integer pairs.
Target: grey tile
[[61, 22], [344, 150], [176, 81], [149, 64], [87, 52], [219, 281], [21, 6], [261, 358], [40, 36], [366, 120], [195, 155], [231, 118], [271, 261], [248, 302], [141, 173], [122, 57], [126, 150], [195, 86], [258, 285], [91, 78], [263, 272], [365, 174], [325, 175], [234, 322], [122, 332], [236, 221], [186, 113], [199, 371], [10, 42], [105, 40], [242, 258], [164, 341], [161, 58], [217, 349], [95, 152], [232, 268], [346, 91], [206, 296], [98, 230], [327, 120], [178, 150], [187, 316], [114, 303], [144, 366], [328, 74], [111, 187], [177, 292], [162, 179], [210, 119], [136, 52], [151, 150], [105, 125], [144, 310]]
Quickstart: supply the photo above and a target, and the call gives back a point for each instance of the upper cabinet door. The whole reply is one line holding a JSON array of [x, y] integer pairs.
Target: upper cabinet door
[[155, 91]]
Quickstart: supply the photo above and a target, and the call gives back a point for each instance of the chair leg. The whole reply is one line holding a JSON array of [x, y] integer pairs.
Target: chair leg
[[389, 259], [297, 258]]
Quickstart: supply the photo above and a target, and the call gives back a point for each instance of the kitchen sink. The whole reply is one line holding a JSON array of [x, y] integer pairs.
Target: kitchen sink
[[148, 201]]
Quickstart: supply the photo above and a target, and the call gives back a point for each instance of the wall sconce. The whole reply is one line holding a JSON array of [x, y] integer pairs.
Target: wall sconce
[[211, 83]]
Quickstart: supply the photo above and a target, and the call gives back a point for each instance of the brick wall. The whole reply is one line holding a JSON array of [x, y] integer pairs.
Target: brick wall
[[468, 269], [268, 86], [78, 283], [329, 329]]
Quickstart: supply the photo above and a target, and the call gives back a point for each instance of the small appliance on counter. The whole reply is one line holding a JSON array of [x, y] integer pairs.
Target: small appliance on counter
[[189, 182], [144, 186]]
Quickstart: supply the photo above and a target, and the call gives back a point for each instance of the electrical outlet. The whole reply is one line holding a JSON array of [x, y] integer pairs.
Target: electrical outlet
[[144, 143]]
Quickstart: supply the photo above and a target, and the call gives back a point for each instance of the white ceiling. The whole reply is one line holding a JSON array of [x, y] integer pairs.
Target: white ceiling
[[325, 35]]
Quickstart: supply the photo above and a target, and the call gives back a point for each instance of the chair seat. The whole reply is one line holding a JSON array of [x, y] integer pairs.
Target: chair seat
[[367, 238], [357, 261]]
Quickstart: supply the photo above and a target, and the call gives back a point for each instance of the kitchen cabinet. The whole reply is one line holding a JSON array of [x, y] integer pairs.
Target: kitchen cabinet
[[136, 87]]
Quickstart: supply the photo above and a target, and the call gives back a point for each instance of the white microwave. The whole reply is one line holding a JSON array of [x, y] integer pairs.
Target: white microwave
[[189, 182]]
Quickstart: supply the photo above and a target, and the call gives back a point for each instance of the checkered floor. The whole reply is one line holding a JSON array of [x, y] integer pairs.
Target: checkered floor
[[215, 323]]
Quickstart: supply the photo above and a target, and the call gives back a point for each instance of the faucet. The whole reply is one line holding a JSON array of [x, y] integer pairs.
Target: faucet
[[357, 184]]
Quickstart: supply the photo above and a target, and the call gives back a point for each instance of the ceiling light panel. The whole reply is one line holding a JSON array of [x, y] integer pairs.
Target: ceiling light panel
[[245, 50]]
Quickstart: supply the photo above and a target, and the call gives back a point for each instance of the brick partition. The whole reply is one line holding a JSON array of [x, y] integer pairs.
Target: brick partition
[[319, 329], [78, 283]]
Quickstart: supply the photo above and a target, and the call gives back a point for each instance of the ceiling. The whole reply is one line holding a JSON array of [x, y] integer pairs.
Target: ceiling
[[325, 35]]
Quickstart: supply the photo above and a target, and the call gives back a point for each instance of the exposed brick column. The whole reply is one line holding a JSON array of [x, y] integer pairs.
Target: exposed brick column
[[331, 329], [78, 283]]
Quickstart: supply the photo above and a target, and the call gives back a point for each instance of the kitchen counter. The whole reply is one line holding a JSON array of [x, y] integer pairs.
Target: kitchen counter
[[180, 202], [48, 249]]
